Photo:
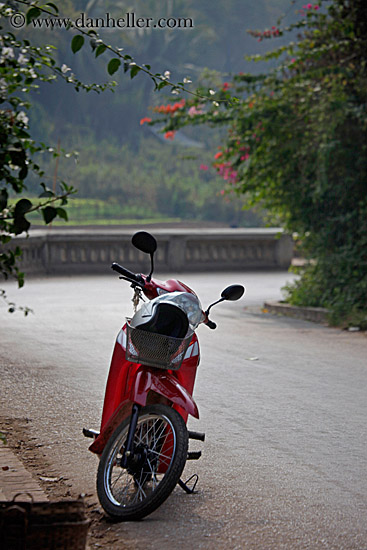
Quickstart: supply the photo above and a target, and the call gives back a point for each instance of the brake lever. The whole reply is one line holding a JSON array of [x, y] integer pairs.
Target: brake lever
[[211, 324], [134, 284]]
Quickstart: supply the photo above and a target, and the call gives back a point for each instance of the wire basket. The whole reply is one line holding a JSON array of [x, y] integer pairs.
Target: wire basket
[[155, 350]]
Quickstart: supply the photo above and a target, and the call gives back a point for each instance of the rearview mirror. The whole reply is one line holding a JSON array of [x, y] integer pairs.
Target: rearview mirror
[[233, 292], [145, 242]]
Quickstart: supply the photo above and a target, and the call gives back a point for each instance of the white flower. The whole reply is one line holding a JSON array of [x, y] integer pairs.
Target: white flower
[[65, 68], [1, 5], [22, 117], [186, 80], [7, 53], [175, 92], [215, 103], [212, 92], [22, 59], [167, 74]]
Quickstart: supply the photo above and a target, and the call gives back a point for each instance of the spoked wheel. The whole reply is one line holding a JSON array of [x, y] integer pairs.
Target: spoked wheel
[[153, 470]]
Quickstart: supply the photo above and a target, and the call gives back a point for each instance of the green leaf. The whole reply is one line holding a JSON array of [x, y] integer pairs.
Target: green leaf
[[46, 194], [22, 206], [53, 6], [61, 212], [113, 65], [49, 213], [20, 278], [77, 43], [46, 191], [101, 48], [31, 14], [162, 85], [134, 71], [20, 225], [3, 199]]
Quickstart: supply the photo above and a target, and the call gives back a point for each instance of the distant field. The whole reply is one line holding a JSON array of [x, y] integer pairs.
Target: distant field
[[98, 212]]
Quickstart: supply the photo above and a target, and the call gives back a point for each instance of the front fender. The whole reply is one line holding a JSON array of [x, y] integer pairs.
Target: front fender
[[145, 381], [164, 384]]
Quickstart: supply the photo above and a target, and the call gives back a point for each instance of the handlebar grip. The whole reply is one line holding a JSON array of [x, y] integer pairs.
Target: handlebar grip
[[211, 324], [125, 272]]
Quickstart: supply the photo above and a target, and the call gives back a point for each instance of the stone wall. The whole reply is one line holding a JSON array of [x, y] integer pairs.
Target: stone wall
[[70, 251]]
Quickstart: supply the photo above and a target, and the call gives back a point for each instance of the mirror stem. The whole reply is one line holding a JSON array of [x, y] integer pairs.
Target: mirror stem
[[151, 269], [211, 305]]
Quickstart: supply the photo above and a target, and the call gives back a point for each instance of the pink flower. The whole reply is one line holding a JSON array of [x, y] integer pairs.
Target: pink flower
[[222, 192], [203, 167], [145, 119], [316, 7], [245, 157], [194, 111], [170, 135]]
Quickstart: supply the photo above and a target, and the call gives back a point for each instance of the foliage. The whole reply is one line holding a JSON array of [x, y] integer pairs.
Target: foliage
[[158, 181], [297, 145], [22, 67]]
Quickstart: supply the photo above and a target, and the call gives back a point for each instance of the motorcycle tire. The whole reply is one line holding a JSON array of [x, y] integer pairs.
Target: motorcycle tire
[[160, 453]]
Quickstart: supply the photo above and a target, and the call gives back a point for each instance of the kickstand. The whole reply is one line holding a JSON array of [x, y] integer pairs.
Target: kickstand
[[184, 484]]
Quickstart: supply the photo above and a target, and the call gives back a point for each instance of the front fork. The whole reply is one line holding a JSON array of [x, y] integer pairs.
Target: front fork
[[129, 446]]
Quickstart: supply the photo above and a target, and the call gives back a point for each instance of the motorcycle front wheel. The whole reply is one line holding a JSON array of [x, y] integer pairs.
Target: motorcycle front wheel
[[152, 472]]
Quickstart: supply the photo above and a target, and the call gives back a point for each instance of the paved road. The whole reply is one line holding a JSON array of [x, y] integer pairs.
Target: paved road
[[283, 404]]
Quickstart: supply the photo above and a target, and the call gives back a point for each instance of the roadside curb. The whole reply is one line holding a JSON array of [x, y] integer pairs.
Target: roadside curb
[[314, 314], [14, 479]]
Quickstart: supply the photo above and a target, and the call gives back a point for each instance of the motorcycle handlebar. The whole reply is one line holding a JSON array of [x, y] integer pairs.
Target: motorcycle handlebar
[[128, 274]]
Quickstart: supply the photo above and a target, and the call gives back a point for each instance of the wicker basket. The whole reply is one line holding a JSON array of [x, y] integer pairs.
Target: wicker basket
[[155, 350], [27, 525]]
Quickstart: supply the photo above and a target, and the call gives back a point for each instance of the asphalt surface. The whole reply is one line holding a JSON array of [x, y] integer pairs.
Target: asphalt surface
[[282, 401]]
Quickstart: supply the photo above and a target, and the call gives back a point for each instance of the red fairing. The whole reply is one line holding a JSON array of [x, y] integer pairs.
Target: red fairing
[[130, 382], [164, 384], [172, 285]]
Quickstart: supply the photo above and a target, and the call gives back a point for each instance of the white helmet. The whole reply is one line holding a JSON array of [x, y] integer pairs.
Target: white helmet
[[172, 314]]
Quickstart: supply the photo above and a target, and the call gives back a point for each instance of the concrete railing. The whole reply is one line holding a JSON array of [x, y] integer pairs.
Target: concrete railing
[[70, 251]]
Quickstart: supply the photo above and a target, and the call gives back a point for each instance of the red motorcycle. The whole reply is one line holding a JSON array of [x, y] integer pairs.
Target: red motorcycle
[[143, 440]]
